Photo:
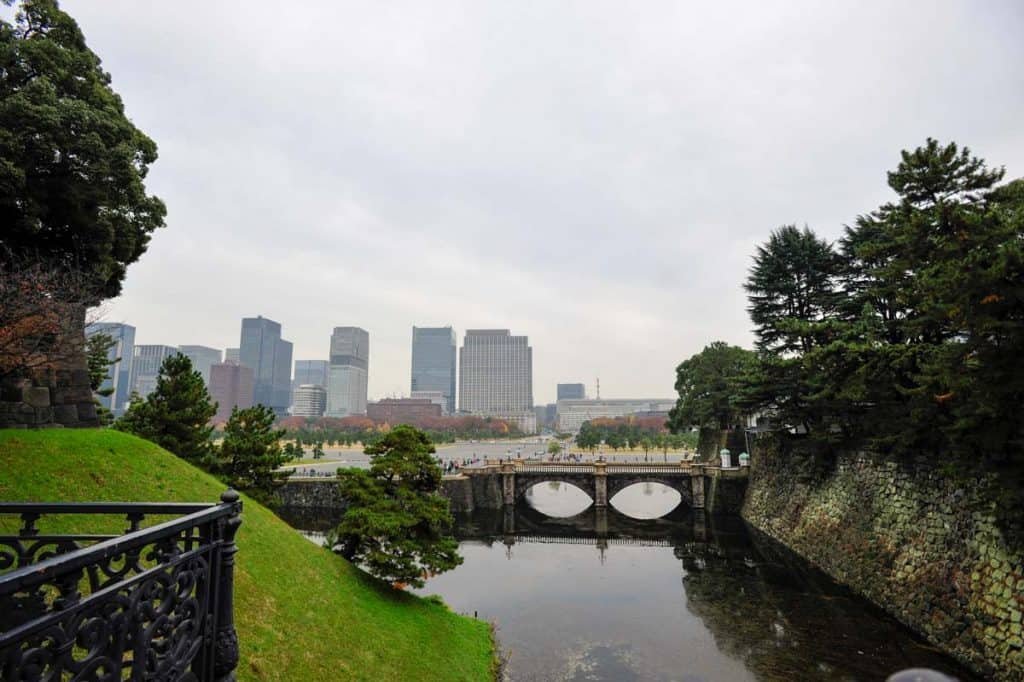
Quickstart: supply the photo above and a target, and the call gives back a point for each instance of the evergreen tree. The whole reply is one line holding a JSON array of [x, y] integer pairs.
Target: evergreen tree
[[792, 286], [710, 387], [397, 524], [250, 455], [936, 276], [176, 415], [72, 164], [98, 362]]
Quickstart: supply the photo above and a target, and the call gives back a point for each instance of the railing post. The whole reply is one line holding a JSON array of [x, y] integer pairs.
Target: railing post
[[225, 656]]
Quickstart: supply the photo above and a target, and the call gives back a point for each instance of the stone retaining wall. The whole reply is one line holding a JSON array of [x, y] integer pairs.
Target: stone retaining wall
[[926, 548], [318, 493], [323, 493], [50, 397]]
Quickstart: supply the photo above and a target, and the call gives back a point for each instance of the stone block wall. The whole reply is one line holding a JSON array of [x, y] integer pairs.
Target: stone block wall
[[48, 398], [925, 547], [312, 493], [725, 494], [465, 493]]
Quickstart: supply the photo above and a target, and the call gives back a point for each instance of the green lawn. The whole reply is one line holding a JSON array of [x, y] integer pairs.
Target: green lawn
[[302, 613]]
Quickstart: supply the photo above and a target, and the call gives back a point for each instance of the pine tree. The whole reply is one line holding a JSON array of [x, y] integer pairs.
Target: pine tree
[[397, 524], [98, 362], [792, 285], [250, 454], [176, 415]]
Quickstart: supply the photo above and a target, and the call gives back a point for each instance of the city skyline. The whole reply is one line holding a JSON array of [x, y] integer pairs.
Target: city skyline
[[543, 393], [625, 200]]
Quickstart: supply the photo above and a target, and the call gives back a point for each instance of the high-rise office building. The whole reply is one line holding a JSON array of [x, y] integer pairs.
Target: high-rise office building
[[231, 355], [312, 372], [282, 395], [270, 358], [348, 371], [121, 354], [496, 376], [433, 362], [309, 400], [571, 392], [146, 362], [202, 358], [231, 385]]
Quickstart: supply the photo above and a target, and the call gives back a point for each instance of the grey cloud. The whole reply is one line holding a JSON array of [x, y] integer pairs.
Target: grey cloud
[[595, 175]]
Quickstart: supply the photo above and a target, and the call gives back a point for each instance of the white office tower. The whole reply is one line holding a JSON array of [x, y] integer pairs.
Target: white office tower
[[348, 371], [496, 377]]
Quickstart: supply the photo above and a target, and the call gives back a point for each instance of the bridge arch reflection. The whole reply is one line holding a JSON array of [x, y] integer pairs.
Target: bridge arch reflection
[[557, 499], [646, 500]]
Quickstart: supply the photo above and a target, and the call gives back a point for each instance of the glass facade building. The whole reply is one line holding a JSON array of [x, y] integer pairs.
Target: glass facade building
[[270, 357], [433, 363], [571, 392], [311, 372], [348, 371]]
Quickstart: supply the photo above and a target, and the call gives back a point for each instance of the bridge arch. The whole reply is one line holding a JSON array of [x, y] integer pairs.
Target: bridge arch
[[565, 501], [682, 485], [524, 482]]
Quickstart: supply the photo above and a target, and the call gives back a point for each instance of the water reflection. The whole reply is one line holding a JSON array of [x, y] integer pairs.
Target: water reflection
[[557, 499], [647, 500], [600, 595]]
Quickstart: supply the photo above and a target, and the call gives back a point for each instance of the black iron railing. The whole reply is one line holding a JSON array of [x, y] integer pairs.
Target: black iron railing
[[150, 604]]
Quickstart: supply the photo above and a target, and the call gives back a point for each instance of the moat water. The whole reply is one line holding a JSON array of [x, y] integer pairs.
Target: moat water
[[579, 594]]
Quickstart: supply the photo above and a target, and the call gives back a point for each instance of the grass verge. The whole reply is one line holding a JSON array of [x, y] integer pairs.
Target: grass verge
[[302, 613]]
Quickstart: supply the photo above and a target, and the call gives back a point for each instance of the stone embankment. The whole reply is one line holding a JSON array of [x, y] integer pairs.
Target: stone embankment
[[927, 548]]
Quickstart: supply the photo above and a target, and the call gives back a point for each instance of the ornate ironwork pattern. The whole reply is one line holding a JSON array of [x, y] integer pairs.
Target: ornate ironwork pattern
[[151, 604]]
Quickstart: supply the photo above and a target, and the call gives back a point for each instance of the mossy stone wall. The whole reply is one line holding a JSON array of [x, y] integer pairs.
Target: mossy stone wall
[[924, 545]]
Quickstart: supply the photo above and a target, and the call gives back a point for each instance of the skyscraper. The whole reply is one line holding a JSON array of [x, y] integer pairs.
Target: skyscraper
[[433, 362], [231, 385], [348, 371], [146, 362], [231, 355], [496, 376], [571, 392], [202, 358], [270, 357], [313, 372], [119, 374]]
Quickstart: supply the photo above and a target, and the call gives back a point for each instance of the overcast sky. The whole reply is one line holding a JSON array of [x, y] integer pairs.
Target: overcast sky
[[593, 175]]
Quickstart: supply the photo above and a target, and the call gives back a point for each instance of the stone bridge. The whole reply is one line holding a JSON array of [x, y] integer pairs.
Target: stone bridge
[[500, 484]]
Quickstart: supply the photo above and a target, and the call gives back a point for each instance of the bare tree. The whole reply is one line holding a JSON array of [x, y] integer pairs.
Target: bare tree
[[42, 316]]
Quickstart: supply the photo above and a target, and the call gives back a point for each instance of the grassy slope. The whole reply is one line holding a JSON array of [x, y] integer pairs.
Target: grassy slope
[[302, 613]]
